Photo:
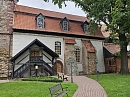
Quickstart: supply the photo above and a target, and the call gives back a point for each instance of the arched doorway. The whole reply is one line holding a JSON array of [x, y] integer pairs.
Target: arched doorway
[[58, 67]]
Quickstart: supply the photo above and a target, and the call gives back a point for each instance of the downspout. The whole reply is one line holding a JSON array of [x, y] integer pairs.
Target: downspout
[[13, 69], [10, 35], [29, 61], [104, 55]]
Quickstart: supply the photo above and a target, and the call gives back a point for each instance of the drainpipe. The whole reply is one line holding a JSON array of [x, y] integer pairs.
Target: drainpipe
[[13, 69], [9, 54]]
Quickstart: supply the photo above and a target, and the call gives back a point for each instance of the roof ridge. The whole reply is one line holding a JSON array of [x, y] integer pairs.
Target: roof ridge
[[50, 10]]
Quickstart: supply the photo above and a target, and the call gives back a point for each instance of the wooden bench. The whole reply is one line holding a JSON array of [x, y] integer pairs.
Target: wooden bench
[[81, 72], [62, 76], [58, 91], [65, 77], [59, 74]]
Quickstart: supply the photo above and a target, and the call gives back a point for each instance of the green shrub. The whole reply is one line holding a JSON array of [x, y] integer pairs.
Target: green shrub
[[43, 79]]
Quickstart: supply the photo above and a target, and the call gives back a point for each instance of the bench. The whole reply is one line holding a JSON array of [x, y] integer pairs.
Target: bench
[[58, 91], [59, 74], [65, 77], [62, 76], [81, 72]]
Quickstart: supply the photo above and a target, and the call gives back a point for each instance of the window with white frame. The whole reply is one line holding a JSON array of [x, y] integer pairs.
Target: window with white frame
[[40, 21], [77, 53], [65, 25], [85, 28], [58, 47]]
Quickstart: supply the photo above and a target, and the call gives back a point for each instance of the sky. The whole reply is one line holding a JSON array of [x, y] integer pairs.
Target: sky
[[70, 9]]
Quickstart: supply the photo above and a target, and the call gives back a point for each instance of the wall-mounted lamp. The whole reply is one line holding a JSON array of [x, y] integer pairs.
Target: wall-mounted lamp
[[36, 68]]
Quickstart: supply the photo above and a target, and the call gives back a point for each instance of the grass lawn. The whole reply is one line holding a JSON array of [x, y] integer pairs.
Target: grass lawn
[[115, 85], [32, 89]]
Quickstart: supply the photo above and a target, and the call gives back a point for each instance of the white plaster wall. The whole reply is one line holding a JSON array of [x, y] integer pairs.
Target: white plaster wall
[[80, 67], [21, 40], [99, 54], [22, 61]]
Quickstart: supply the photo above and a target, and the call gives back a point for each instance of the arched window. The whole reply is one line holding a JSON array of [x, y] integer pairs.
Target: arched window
[[58, 47], [77, 53]]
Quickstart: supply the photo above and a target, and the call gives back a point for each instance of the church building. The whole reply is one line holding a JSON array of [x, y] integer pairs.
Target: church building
[[36, 41]]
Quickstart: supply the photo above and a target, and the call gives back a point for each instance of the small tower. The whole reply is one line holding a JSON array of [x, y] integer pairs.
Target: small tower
[[6, 23]]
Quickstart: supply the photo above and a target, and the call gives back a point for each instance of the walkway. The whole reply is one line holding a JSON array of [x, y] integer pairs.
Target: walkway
[[88, 87]]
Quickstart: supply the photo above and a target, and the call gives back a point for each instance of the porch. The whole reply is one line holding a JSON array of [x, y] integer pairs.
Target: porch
[[35, 58]]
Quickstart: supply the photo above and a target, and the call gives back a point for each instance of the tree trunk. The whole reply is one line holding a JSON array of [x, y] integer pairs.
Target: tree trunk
[[123, 53]]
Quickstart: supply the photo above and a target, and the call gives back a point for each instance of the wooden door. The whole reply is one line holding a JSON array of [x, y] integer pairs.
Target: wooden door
[[59, 67], [35, 53], [35, 56]]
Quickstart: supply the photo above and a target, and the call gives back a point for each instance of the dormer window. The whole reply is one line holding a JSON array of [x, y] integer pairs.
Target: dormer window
[[85, 27], [40, 21], [65, 24]]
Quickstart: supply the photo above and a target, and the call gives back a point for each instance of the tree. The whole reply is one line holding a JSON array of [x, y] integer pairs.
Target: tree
[[115, 14]]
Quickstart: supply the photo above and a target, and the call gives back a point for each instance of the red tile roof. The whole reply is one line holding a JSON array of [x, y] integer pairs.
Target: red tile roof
[[24, 18], [89, 46], [112, 48], [105, 34], [70, 41], [31, 10]]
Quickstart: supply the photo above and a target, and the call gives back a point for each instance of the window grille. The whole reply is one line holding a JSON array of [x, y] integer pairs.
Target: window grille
[[65, 26], [58, 47], [85, 28], [40, 21], [77, 54]]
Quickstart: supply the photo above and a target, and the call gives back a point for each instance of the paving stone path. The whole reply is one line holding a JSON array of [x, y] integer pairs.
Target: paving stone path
[[88, 87]]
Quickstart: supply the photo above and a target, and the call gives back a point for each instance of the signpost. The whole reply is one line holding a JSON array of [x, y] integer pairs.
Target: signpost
[[96, 63], [71, 62]]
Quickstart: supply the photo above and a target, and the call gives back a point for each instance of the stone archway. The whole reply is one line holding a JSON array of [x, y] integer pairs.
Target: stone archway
[[58, 67]]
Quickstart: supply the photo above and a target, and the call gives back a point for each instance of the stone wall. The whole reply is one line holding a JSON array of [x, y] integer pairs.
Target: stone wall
[[3, 63], [88, 61], [85, 59], [6, 23], [69, 53], [6, 16], [91, 65]]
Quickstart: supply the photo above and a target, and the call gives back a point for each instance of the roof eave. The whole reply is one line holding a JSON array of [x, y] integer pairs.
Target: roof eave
[[58, 34]]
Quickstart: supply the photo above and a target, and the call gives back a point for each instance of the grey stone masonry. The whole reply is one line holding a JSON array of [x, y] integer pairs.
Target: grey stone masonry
[[91, 66], [70, 54], [6, 23], [88, 61]]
